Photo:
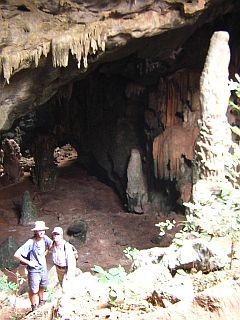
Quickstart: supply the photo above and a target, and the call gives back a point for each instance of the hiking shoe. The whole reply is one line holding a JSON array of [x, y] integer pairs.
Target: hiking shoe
[[41, 303], [34, 307]]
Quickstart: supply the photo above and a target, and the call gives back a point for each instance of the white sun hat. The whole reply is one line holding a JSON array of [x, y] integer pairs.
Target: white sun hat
[[40, 225], [58, 230]]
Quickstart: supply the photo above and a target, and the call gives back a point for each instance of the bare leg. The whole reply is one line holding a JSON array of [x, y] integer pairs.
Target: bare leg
[[33, 297], [40, 293]]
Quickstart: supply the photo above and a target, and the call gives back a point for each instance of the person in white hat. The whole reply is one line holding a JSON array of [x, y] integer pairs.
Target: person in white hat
[[63, 258], [33, 254]]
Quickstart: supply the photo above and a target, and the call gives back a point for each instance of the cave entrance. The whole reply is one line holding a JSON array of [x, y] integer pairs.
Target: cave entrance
[[65, 155], [114, 120]]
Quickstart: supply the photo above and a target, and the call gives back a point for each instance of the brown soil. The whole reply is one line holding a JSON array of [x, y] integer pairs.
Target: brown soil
[[79, 196]]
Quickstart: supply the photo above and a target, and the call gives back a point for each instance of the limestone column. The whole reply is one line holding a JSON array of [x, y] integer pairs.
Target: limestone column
[[45, 170], [214, 141], [137, 195]]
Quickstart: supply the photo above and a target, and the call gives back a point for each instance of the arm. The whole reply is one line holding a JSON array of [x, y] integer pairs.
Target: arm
[[48, 244], [71, 262], [30, 263], [22, 253]]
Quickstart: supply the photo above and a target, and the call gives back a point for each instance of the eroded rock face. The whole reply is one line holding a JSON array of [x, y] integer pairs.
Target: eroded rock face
[[109, 77], [37, 36]]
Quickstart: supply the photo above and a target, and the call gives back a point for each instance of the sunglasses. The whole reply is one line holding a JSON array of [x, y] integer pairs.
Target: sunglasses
[[56, 234]]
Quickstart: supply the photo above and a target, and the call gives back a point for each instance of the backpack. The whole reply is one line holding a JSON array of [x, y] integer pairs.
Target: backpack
[[73, 249]]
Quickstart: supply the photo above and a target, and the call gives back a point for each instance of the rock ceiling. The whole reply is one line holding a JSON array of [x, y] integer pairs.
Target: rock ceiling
[[46, 44]]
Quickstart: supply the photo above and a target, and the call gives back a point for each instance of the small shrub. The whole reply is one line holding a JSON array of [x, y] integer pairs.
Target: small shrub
[[114, 275], [165, 226], [8, 286], [51, 292], [131, 253]]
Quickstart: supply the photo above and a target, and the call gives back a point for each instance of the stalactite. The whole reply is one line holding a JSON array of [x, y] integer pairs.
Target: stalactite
[[12, 61], [81, 41], [180, 111], [134, 89]]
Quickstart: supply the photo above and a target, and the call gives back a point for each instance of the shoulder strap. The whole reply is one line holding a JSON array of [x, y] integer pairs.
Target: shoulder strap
[[30, 248], [65, 246], [46, 243], [66, 243], [33, 252]]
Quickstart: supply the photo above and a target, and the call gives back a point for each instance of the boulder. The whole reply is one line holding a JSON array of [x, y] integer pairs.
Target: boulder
[[7, 249]]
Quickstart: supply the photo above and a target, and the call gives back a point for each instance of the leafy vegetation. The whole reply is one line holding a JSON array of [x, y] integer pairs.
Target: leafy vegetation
[[165, 226], [131, 253], [51, 292], [8, 286], [114, 275]]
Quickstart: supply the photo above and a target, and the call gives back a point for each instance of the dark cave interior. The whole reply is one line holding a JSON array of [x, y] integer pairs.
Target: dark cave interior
[[125, 103]]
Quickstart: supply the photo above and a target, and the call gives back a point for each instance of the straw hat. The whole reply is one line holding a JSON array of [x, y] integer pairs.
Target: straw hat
[[40, 225]]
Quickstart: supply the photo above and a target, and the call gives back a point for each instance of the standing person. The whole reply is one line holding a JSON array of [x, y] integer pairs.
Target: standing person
[[33, 254], [63, 258]]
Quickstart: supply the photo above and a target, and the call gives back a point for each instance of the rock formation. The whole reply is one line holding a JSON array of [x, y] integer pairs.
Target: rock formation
[[213, 145], [29, 212], [11, 160], [137, 194], [109, 77]]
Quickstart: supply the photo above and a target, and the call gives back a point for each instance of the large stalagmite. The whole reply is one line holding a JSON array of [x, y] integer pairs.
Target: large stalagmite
[[213, 145], [137, 193]]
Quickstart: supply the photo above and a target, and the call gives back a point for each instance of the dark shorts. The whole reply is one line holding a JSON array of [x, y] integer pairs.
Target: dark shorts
[[37, 279]]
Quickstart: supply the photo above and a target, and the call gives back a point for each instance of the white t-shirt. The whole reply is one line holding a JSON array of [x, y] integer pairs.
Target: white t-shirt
[[63, 255]]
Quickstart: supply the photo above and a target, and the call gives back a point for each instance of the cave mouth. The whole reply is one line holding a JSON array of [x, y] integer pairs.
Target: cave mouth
[[137, 100], [65, 155]]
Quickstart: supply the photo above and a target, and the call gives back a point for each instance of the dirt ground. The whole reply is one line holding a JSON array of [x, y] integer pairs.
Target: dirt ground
[[79, 196]]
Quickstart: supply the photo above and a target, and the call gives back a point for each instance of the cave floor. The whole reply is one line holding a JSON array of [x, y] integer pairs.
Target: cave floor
[[79, 196]]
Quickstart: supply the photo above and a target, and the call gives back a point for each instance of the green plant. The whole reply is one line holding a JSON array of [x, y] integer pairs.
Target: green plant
[[51, 292], [114, 275], [190, 229], [235, 86], [179, 238], [131, 253], [113, 296], [8, 286], [164, 226]]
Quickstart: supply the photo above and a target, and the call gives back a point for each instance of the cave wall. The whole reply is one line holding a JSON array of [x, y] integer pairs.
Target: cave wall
[[144, 98], [145, 104], [106, 116]]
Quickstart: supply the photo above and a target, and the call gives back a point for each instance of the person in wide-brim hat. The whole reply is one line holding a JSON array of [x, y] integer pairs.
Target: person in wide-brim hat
[[33, 254], [40, 225]]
